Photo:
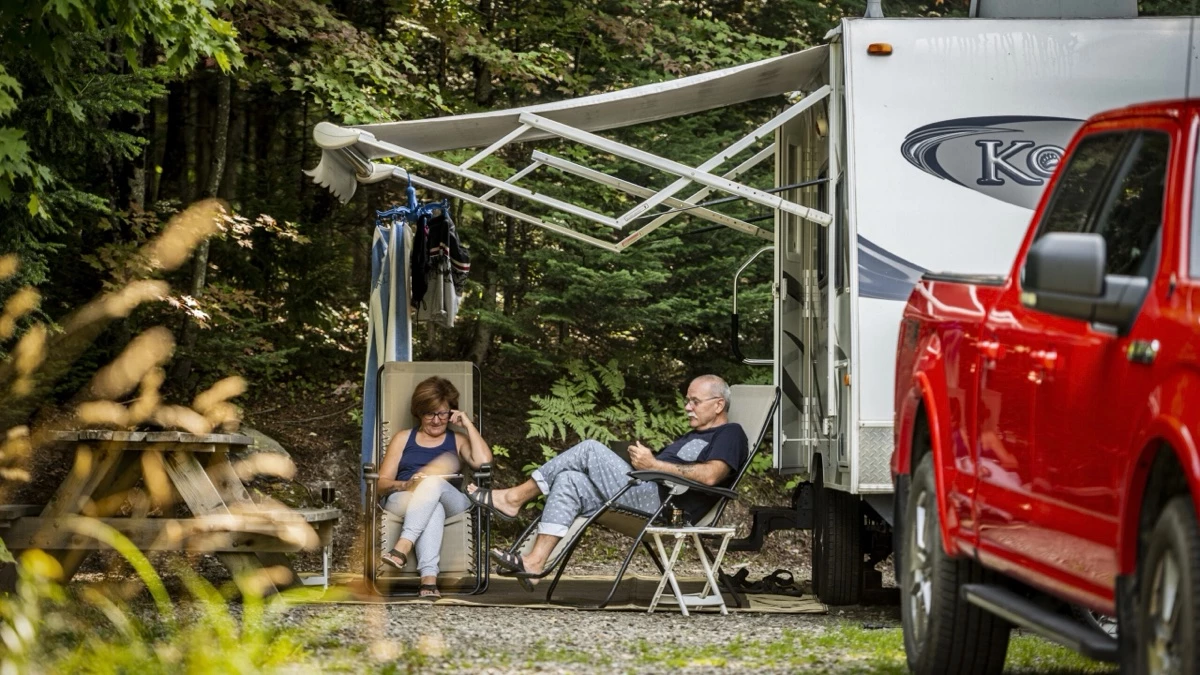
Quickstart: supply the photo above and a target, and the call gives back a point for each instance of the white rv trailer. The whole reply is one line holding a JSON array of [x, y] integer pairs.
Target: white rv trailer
[[926, 142]]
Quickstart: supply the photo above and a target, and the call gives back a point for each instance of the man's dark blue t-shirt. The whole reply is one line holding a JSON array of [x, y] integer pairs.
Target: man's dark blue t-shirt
[[726, 443]]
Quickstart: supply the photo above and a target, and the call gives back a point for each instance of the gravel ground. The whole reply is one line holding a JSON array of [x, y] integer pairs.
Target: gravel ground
[[504, 640]]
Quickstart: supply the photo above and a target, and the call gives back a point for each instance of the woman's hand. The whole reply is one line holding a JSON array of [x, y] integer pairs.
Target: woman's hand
[[416, 479], [459, 418]]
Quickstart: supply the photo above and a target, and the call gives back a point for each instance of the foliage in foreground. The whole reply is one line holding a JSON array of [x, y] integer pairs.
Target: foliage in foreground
[[44, 629]]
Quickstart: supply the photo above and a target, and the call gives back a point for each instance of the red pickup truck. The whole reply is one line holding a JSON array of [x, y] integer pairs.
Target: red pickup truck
[[1048, 422]]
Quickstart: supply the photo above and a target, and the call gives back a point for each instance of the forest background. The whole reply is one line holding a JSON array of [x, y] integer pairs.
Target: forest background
[[116, 116]]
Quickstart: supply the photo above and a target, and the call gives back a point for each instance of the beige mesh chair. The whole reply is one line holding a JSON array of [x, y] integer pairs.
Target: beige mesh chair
[[751, 406], [463, 541]]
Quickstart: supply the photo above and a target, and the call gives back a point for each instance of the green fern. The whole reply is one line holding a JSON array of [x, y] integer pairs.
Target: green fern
[[589, 401]]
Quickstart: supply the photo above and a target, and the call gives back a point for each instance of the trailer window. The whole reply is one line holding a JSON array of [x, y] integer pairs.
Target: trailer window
[[1077, 192]]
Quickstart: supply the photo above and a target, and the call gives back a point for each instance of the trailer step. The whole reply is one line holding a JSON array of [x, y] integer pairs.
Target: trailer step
[[1054, 627], [767, 520]]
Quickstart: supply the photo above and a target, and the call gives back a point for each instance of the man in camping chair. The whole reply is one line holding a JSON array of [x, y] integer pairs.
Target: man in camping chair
[[581, 479]]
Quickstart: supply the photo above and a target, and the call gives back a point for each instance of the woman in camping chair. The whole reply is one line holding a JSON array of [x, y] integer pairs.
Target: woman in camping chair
[[416, 476]]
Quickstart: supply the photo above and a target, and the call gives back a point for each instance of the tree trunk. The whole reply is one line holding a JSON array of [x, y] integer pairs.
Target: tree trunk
[[236, 148], [143, 126], [216, 171], [483, 74], [481, 341], [175, 157], [187, 192], [137, 176]]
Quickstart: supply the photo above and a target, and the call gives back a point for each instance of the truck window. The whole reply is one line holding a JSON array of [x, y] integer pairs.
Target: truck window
[[1130, 216], [1083, 181]]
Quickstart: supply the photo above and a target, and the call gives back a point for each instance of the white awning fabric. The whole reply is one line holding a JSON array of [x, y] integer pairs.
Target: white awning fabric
[[348, 152], [683, 96]]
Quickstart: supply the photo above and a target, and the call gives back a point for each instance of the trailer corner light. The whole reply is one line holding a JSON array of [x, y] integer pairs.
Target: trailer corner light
[[879, 49], [846, 379]]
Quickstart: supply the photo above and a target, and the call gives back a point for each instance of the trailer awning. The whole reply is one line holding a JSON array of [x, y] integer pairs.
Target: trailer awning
[[347, 152], [626, 107]]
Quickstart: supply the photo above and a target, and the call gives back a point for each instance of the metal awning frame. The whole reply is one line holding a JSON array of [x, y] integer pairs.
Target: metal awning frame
[[367, 171]]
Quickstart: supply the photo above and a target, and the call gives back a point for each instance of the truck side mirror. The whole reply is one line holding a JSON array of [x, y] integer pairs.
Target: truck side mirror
[[1061, 263], [1064, 275]]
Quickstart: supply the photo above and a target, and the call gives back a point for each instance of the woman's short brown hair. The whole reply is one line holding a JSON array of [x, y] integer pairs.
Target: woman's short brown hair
[[429, 393]]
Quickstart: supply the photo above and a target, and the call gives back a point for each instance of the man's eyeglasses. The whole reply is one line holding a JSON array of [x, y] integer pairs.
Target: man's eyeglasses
[[444, 415], [693, 401]]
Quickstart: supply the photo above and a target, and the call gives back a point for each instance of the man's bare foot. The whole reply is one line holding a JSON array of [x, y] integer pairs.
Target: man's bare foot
[[534, 566], [501, 500]]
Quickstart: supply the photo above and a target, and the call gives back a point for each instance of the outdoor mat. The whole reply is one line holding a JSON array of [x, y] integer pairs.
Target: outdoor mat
[[573, 592]]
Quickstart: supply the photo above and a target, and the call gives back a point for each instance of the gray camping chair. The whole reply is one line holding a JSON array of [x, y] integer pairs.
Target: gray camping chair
[[467, 535], [752, 406]]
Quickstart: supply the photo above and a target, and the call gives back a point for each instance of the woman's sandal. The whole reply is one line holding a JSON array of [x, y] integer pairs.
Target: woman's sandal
[[428, 591], [395, 559], [483, 497]]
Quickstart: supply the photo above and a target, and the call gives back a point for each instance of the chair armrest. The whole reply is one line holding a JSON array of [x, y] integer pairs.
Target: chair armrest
[[664, 477], [369, 473], [483, 475]]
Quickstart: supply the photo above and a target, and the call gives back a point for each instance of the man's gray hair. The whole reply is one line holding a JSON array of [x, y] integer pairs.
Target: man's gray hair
[[719, 388]]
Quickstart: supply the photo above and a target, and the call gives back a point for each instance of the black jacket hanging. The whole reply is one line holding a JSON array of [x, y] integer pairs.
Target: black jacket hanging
[[437, 253]]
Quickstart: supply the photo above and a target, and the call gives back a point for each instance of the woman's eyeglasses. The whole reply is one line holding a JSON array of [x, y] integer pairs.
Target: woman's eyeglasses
[[443, 415]]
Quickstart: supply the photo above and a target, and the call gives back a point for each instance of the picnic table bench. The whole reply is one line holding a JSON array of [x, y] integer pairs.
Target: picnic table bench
[[198, 472]]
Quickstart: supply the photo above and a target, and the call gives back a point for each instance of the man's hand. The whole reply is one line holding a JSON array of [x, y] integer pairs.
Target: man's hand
[[641, 457]]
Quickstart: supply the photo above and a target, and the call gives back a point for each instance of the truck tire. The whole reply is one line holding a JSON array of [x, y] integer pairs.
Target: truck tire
[[942, 633], [1104, 623], [837, 546], [1169, 606]]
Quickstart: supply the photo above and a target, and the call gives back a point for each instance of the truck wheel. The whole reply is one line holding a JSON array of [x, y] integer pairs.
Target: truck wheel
[[942, 633], [1092, 619], [837, 546], [1168, 608]]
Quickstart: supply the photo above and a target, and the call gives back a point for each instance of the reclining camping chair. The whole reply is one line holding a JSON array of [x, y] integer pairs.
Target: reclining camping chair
[[467, 535], [751, 406]]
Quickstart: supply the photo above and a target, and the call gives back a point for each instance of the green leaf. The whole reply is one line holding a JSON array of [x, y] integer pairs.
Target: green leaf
[[34, 205], [5, 555]]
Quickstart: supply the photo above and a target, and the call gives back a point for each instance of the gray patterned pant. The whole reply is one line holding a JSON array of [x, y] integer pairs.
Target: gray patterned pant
[[579, 480], [425, 511]]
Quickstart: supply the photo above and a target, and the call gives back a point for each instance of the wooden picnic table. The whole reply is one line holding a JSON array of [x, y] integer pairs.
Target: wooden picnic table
[[198, 472]]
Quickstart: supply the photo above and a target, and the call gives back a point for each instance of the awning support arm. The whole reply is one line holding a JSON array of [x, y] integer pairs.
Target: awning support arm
[[484, 179], [687, 173], [512, 213], [512, 136], [700, 194], [640, 191], [512, 180]]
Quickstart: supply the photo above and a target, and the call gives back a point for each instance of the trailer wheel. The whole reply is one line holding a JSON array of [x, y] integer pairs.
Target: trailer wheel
[[1169, 612], [942, 633], [837, 546]]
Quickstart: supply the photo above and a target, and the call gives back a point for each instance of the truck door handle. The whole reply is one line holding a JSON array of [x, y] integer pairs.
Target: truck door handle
[[990, 349], [1047, 359]]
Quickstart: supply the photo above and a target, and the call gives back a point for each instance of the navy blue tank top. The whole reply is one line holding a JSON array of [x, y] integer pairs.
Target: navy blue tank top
[[416, 457]]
